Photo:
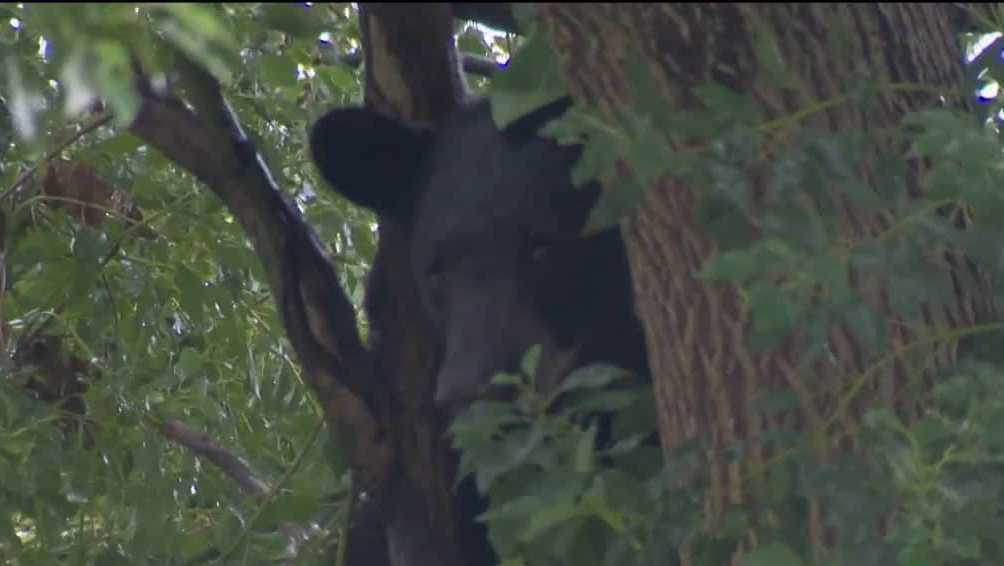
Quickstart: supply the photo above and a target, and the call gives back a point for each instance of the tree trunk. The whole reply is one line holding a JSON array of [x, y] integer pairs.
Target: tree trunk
[[412, 71], [703, 369]]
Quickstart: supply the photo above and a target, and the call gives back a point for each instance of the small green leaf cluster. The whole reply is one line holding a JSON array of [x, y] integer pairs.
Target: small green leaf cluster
[[567, 483]]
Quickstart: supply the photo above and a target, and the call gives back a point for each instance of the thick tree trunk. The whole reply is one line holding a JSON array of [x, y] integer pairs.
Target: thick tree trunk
[[412, 71], [704, 372]]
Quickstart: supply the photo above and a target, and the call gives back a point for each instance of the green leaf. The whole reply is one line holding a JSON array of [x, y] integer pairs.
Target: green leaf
[[277, 70], [728, 108], [191, 291], [774, 554], [531, 81], [648, 100], [647, 155], [835, 153], [597, 161], [774, 313], [585, 451], [507, 379], [295, 19], [831, 273], [87, 249], [733, 265], [115, 82], [530, 361], [112, 557], [189, 363], [296, 508], [118, 145], [600, 401], [797, 228], [541, 520], [200, 19], [864, 196], [868, 325], [594, 376], [769, 56], [640, 418], [613, 204], [481, 420], [196, 31], [774, 403]]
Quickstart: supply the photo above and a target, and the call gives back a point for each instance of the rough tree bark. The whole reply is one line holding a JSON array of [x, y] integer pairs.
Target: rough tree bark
[[703, 371]]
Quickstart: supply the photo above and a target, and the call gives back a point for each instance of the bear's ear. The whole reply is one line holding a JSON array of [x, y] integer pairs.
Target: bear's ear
[[369, 158]]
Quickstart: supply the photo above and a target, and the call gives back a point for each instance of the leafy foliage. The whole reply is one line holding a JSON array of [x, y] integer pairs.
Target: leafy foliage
[[162, 302], [556, 497], [160, 311]]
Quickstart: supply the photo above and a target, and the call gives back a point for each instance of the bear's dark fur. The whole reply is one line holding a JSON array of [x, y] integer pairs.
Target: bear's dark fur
[[495, 244]]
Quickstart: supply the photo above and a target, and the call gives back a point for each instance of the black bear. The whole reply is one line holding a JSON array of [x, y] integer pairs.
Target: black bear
[[496, 241], [497, 251]]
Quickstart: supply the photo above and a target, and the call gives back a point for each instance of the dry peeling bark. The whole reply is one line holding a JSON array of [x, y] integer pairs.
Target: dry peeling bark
[[703, 371]]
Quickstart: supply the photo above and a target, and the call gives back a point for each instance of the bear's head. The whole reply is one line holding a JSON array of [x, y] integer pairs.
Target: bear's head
[[496, 243]]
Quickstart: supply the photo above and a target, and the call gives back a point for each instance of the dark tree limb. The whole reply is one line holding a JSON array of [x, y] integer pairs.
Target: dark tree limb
[[412, 67], [412, 72], [319, 320]]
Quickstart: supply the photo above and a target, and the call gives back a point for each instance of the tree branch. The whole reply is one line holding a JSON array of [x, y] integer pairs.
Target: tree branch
[[318, 317], [412, 72], [204, 445]]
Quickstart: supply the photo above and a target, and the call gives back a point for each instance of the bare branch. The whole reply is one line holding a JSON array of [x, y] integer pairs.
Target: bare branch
[[204, 445]]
